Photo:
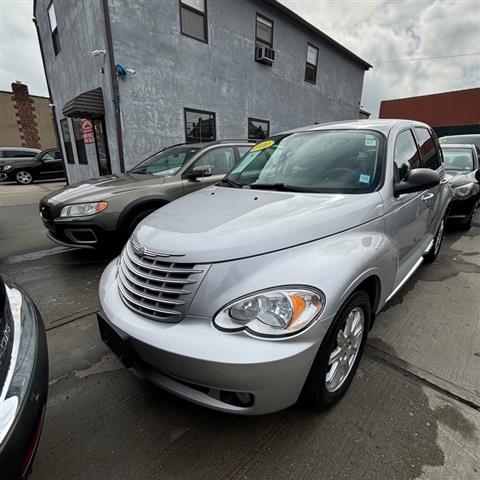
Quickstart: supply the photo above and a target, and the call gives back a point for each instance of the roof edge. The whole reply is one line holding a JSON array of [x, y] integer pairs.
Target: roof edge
[[297, 18]]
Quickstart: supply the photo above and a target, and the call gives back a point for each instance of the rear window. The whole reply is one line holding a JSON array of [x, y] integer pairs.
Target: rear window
[[458, 159]]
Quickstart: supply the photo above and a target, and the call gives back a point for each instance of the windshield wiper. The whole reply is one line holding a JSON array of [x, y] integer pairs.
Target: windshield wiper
[[280, 187], [230, 182]]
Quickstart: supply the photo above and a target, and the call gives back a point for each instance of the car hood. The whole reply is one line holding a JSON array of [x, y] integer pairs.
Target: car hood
[[102, 188], [218, 224], [458, 178]]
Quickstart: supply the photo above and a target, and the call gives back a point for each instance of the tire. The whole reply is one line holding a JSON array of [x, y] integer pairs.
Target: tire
[[468, 224], [23, 177], [325, 384], [137, 218], [437, 243]]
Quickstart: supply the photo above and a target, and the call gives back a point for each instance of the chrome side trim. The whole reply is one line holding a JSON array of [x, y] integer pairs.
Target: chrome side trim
[[430, 245], [405, 279]]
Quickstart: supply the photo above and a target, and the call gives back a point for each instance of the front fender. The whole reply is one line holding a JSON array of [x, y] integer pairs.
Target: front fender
[[159, 200], [335, 265]]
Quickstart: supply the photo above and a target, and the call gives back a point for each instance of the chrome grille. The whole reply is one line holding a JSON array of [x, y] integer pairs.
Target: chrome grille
[[155, 287]]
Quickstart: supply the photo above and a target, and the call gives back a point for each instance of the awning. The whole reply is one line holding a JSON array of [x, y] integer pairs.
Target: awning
[[86, 105]]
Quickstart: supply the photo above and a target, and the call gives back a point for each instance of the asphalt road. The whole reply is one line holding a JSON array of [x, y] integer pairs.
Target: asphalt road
[[413, 410]]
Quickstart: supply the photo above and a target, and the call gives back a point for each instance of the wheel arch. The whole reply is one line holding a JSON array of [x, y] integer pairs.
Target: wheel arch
[[135, 207]]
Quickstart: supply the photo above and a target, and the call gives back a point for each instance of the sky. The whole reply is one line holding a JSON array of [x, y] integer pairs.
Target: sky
[[398, 37]]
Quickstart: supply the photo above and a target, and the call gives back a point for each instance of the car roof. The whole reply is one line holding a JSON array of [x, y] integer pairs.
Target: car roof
[[202, 145], [383, 125], [458, 145], [21, 149]]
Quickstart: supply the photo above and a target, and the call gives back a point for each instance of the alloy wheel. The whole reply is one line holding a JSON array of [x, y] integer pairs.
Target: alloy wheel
[[343, 356], [24, 177]]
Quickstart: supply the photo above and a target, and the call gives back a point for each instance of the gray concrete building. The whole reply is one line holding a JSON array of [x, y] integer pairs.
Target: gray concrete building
[[128, 78]]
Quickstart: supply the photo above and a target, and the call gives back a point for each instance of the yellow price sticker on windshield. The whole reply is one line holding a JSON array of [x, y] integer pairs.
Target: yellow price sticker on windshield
[[442, 140], [262, 146]]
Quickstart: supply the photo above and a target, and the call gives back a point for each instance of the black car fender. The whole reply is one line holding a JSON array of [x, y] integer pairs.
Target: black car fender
[[136, 206]]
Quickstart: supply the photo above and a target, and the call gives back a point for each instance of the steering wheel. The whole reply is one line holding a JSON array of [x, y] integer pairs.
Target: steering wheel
[[341, 170]]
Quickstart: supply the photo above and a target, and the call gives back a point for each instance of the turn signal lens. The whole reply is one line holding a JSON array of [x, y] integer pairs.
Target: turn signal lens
[[272, 313]]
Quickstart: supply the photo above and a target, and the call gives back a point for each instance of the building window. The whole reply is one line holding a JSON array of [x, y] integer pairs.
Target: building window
[[193, 19], [54, 29], [79, 143], [258, 129], [311, 65], [67, 140], [264, 31], [199, 126]]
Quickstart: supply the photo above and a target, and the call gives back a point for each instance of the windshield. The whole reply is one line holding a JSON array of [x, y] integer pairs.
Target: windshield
[[167, 162], [458, 159], [329, 161]]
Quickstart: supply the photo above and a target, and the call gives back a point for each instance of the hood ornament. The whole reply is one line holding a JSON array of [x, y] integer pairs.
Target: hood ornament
[[142, 251]]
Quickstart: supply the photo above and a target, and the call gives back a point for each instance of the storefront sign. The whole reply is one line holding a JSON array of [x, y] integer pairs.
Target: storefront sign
[[87, 130]]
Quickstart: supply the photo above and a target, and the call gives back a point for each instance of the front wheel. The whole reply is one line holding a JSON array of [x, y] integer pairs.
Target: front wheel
[[24, 177], [437, 243], [339, 355]]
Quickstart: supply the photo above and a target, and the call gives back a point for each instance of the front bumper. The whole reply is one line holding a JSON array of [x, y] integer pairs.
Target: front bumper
[[194, 360], [19, 446], [88, 233], [461, 208]]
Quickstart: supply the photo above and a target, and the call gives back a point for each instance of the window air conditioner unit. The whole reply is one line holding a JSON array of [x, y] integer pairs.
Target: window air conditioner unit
[[264, 55]]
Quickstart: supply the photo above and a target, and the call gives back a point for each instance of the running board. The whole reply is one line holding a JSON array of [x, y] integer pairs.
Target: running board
[[405, 279]]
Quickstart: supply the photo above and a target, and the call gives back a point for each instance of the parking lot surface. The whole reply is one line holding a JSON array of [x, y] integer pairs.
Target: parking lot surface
[[413, 410]]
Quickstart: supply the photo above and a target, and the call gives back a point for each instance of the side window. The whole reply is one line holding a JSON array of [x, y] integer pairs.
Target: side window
[[428, 151], [193, 19], [54, 28], [48, 157], [222, 160], [58, 155], [406, 156], [311, 64], [199, 126], [258, 129], [242, 150]]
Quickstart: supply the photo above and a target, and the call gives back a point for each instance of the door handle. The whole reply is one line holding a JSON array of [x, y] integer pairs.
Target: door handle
[[426, 197]]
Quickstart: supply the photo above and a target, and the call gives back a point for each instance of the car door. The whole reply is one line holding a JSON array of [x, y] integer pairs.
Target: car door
[[431, 157], [50, 165], [220, 159], [407, 215]]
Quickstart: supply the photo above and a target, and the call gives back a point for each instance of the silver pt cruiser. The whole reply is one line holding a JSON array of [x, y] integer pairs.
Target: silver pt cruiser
[[252, 293]]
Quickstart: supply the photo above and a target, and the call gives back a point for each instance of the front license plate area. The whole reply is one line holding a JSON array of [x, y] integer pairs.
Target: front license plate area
[[119, 346]]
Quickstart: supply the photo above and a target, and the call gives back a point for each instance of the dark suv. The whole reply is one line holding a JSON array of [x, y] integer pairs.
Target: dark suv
[[95, 212], [46, 165]]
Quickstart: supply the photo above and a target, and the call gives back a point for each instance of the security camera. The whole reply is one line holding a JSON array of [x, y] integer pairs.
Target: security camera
[[51, 105], [96, 53], [131, 71]]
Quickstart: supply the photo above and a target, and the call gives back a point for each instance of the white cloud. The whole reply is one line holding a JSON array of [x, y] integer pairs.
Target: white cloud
[[377, 30], [382, 31], [19, 51]]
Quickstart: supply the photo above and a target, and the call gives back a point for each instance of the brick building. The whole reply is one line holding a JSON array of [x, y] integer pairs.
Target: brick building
[[25, 120], [449, 113]]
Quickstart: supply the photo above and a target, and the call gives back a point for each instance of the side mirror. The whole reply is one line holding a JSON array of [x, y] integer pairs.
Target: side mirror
[[200, 171], [417, 180]]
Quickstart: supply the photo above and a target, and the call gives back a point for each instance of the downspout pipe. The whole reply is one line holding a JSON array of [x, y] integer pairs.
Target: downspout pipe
[[115, 87]]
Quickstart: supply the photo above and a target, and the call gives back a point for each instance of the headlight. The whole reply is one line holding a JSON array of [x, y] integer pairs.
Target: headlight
[[276, 312], [83, 209], [464, 190]]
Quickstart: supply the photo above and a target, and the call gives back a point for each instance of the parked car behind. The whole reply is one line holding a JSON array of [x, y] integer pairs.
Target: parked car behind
[[461, 165], [12, 155], [471, 139], [23, 380], [46, 165], [98, 212], [245, 295]]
